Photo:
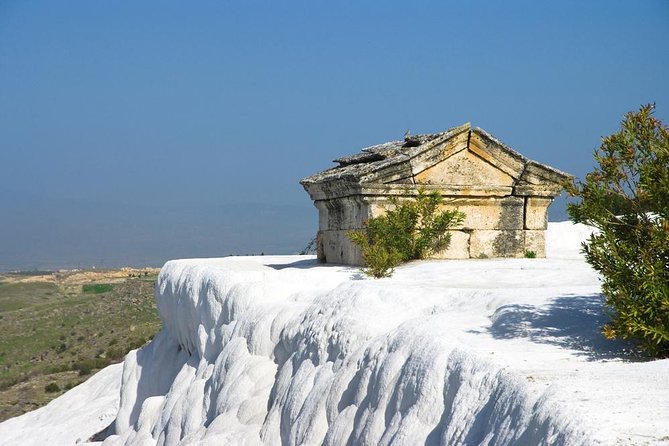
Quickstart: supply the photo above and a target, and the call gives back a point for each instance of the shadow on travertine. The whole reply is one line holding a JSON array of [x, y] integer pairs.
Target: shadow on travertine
[[314, 263], [569, 321], [299, 264]]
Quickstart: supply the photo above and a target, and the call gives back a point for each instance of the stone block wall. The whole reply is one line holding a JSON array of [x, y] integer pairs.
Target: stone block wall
[[493, 227]]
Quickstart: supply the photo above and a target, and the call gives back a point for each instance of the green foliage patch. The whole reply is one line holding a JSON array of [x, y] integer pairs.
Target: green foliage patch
[[52, 388], [97, 288], [408, 230], [626, 198]]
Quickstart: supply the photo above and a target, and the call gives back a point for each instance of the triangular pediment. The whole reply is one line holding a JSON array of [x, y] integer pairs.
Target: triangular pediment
[[464, 168], [461, 160], [471, 158]]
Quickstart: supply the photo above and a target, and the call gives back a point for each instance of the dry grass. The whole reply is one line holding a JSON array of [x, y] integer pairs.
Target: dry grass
[[53, 331]]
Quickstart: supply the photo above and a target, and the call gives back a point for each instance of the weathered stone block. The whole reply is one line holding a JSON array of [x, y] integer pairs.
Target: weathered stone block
[[457, 249], [336, 247], [342, 213], [536, 241], [497, 243], [536, 209], [489, 213]]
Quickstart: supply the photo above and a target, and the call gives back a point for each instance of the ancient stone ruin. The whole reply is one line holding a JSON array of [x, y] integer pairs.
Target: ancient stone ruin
[[504, 195]]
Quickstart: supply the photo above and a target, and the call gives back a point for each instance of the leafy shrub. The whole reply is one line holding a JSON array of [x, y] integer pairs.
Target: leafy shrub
[[409, 230], [626, 197], [530, 254], [380, 260], [71, 385], [114, 353], [52, 388], [86, 366], [100, 363]]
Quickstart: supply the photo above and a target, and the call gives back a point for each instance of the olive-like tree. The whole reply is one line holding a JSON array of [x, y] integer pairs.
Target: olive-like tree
[[626, 197]]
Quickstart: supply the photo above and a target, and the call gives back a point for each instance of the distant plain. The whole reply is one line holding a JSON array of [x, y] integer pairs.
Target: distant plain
[[58, 328]]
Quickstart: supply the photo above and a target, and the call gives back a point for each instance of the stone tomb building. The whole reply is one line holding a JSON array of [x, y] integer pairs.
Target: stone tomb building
[[504, 195]]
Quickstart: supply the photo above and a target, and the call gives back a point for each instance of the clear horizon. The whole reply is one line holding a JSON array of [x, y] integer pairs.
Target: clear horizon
[[136, 132]]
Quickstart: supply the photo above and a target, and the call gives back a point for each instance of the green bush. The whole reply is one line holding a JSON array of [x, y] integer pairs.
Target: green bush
[[379, 259], [626, 197], [52, 388], [530, 254], [408, 230], [114, 353]]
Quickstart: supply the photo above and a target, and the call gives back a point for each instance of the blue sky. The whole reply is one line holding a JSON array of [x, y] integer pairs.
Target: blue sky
[[132, 132]]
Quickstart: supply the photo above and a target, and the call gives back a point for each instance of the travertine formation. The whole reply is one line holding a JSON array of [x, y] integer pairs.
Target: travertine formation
[[504, 195]]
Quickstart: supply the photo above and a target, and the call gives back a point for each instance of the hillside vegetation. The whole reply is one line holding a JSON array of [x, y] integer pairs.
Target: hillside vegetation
[[59, 328]]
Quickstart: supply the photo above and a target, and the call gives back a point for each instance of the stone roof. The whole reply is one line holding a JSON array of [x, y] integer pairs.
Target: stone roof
[[396, 162]]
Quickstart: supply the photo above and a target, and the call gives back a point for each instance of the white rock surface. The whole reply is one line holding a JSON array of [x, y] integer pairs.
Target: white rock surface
[[284, 351]]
